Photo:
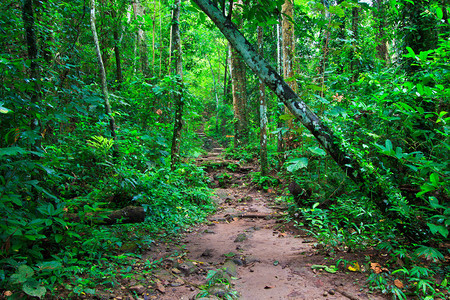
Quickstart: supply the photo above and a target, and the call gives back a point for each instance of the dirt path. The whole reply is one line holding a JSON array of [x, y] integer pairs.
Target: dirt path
[[246, 243]]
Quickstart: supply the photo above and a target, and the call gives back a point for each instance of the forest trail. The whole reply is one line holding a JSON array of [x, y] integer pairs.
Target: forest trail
[[246, 243]]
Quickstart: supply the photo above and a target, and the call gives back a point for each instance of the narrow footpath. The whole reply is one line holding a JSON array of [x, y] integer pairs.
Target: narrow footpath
[[246, 250]]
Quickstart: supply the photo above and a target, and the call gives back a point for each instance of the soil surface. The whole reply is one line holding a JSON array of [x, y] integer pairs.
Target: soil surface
[[248, 244], [246, 250]]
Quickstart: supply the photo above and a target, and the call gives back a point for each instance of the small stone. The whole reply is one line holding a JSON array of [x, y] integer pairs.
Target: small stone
[[176, 283], [230, 268], [188, 268], [139, 289], [332, 292], [207, 253], [325, 294], [238, 261], [176, 271], [240, 238]]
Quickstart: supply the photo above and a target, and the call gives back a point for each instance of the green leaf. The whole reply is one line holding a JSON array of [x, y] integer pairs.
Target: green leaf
[[49, 265], [410, 52], [425, 188], [58, 237], [22, 274], [12, 151], [438, 228], [337, 11], [287, 117], [439, 13], [434, 202], [389, 148], [34, 289], [4, 110], [429, 253], [297, 164], [317, 151], [434, 178]]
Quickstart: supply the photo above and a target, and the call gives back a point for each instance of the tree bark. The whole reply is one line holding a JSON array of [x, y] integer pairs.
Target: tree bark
[[382, 46], [112, 123], [239, 89], [262, 113], [141, 40], [117, 52], [354, 60], [178, 70], [288, 43], [280, 108], [288, 56], [215, 93]]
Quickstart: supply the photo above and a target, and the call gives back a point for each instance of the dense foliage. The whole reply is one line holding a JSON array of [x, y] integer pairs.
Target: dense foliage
[[377, 73]]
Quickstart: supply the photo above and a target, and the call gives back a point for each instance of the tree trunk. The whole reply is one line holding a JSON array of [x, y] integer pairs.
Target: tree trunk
[[288, 58], [117, 52], [280, 108], [141, 40], [309, 119], [262, 113], [382, 42], [354, 60], [129, 214], [288, 44], [273, 80], [215, 93], [35, 92], [112, 124], [239, 88], [178, 70]]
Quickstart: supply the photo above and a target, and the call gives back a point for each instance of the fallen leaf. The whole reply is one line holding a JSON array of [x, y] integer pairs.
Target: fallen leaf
[[282, 234], [398, 283], [376, 267], [355, 267]]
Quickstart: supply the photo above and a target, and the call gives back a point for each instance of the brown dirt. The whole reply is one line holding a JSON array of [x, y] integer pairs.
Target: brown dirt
[[272, 260]]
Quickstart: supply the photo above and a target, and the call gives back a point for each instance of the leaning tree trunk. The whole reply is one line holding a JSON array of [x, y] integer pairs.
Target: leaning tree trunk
[[262, 113], [295, 104], [178, 70], [323, 134], [112, 124]]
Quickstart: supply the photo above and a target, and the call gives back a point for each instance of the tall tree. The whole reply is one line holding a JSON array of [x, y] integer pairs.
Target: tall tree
[[141, 38], [288, 54], [101, 67], [35, 92], [381, 39], [354, 59], [178, 71], [239, 86], [288, 42], [117, 47], [262, 112]]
